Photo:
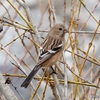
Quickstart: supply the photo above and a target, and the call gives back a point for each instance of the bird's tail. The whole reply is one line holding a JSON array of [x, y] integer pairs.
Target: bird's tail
[[30, 76]]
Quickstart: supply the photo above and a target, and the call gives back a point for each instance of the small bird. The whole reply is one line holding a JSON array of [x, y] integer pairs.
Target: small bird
[[51, 50]]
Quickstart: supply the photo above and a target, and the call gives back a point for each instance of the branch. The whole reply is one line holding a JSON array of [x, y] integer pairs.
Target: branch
[[5, 89]]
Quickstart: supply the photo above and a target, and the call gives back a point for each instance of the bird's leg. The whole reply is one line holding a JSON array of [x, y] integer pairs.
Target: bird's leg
[[53, 71]]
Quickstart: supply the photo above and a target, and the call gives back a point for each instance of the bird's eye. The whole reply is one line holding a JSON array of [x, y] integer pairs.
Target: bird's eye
[[60, 29]]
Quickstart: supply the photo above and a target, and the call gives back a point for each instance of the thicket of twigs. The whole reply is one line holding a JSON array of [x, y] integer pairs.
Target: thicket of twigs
[[20, 39]]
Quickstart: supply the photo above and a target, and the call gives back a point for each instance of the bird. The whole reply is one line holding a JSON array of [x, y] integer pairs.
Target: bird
[[51, 50]]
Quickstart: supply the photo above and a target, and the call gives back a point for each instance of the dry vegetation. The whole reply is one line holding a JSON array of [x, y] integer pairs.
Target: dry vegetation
[[21, 36]]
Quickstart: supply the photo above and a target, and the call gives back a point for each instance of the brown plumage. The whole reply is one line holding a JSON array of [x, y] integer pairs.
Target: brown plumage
[[50, 51]]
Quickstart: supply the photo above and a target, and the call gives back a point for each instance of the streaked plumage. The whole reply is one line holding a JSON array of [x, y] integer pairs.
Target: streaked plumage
[[50, 51]]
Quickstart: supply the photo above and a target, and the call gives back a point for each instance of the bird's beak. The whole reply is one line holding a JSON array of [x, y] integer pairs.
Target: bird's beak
[[65, 31]]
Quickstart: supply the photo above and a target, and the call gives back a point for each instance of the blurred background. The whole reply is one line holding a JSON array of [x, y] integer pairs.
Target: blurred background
[[84, 21]]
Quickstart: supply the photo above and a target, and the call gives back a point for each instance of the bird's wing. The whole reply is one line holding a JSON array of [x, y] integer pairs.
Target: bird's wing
[[46, 54]]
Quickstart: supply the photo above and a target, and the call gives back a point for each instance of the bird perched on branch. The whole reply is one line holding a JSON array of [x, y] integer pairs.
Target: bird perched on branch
[[50, 51]]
